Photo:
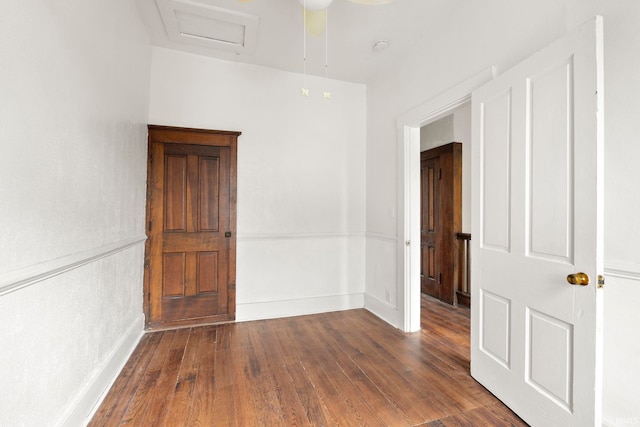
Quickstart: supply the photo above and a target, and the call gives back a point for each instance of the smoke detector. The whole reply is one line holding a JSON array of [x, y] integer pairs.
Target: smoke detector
[[380, 45]]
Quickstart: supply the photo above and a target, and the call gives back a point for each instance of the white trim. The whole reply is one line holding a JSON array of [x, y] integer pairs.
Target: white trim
[[297, 236], [408, 137], [623, 270], [18, 279], [88, 400], [383, 310], [297, 307], [382, 236]]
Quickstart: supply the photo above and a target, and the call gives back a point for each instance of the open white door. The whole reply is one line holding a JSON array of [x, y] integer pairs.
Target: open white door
[[537, 218]]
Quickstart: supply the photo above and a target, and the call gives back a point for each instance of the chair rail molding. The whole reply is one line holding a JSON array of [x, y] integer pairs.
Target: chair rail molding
[[27, 276], [624, 270]]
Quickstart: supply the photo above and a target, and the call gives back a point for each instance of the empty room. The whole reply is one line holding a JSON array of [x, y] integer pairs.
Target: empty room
[[319, 212]]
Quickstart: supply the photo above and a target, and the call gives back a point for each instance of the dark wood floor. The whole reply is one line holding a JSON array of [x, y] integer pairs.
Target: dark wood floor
[[345, 368]]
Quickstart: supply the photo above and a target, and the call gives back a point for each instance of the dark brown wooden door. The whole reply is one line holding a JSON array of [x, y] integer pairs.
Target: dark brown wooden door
[[430, 226], [191, 227], [441, 219]]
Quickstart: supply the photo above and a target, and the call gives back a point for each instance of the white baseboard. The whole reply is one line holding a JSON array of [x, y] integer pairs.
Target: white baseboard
[[89, 398], [383, 310], [297, 307]]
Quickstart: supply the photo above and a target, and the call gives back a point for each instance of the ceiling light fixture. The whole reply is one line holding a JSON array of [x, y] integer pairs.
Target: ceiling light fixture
[[314, 18], [314, 22]]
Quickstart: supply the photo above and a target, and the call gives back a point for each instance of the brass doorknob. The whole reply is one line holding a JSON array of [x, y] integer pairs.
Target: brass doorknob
[[580, 279]]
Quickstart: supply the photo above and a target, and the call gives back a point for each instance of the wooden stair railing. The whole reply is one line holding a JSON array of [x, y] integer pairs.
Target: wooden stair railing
[[464, 276]]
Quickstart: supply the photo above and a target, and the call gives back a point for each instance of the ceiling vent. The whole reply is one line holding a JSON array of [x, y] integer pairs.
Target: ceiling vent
[[208, 26]]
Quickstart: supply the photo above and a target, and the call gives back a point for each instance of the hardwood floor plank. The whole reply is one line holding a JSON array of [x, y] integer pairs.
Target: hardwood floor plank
[[344, 405], [358, 388], [287, 333], [291, 406], [309, 396], [401, 356], [179, 408], [164, 390], [142, 398], [201, 411], [241, 390], [224, 407], [491, 415], [344, 368], [119, 396], [261, 383]]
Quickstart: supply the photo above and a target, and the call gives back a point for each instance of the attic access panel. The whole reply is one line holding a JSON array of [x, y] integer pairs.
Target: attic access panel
[[203, 25]]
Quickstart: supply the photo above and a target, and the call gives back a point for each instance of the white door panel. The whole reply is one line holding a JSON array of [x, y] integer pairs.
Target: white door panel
[[537, 215], [496, 117]]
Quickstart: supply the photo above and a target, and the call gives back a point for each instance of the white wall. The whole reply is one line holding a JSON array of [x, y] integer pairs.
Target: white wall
[[622, 348], [73, 107], [501, 33], [436, 133], [301, 177]]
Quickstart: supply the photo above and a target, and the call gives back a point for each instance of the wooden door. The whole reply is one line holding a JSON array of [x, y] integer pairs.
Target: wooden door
[[536, 339], [430, 229], [441, 219], [190, 274]]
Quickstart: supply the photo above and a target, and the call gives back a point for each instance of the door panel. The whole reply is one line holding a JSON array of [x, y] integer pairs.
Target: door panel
[[496, 200], [550, 160], [495, 335], [537, 208], [209, 195], [207, 278], [175, 193], [191, 279], [430, 228]]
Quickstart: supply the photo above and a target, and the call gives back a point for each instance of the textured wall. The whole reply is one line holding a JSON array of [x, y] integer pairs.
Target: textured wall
[[73, 107], [300, 177]]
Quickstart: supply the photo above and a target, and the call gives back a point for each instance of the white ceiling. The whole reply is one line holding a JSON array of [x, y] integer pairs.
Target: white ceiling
[[352, 31]]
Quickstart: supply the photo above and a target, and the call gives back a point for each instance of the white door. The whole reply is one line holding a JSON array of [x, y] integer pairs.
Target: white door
[[537, 218]]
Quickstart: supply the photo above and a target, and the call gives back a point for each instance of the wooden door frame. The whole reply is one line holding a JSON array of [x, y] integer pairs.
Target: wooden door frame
[[193, 136], [408, 137]]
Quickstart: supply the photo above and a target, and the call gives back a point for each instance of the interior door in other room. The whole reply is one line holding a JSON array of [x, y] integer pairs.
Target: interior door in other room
[[190, 274], [429, 226], [537, 211], [441, 219]]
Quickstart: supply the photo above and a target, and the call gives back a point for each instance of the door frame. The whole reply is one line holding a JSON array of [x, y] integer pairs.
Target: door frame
[[408, 137]]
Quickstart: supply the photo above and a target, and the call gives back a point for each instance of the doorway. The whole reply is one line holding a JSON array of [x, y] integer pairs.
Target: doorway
[[441, 219], [409, 187]]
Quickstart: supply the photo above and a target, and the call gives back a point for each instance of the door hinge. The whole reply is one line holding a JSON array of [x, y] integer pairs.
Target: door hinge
[[150, 226], [439, 277], [439, 173]]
